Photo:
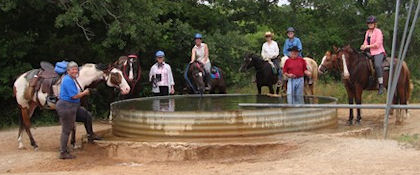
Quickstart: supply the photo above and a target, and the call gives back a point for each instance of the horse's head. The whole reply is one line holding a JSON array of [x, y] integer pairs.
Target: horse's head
[[114, 78], [330, 61], [248, 59], [197, 74]]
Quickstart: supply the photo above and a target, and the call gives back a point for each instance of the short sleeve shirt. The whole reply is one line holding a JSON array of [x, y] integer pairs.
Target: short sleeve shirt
[[68, 89]]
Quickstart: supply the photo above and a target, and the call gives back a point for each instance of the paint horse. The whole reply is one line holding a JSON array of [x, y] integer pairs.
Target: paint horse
[[310, 82], [264, 75], [355, 69], [195, 78], [131, 69], [29, 99]]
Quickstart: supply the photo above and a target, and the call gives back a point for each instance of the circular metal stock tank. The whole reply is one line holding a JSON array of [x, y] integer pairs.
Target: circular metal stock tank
[[216, 116]]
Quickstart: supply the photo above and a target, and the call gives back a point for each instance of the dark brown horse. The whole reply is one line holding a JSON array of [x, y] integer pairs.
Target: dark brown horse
[[264, 75], [131, 69], [195, 77], [355, 70]]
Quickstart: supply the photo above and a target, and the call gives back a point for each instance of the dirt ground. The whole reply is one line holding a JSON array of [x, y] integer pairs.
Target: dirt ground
[[341, 150]]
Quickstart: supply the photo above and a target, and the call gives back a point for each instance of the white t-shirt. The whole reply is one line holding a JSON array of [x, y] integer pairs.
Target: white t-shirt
[[269, 51], [200, 53]]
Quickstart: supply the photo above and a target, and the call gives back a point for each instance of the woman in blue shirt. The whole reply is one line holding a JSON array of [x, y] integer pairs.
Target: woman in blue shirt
[[69, 109]]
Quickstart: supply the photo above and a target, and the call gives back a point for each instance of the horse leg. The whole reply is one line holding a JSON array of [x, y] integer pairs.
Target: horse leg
[[20, 143], [278, 90], [222, 88], [259, 89], [26, 120], [402, 100], [350, 96], [358, 96], [271, 89], [73, 137], [350, 121]]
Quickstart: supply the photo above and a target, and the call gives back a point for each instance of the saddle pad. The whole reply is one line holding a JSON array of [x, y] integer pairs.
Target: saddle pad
[[214, 73]]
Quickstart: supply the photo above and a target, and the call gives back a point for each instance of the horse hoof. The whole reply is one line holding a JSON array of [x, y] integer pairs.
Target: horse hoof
[[21, 146], [75, 147], [349, 123], [36, 148], [358, 122]]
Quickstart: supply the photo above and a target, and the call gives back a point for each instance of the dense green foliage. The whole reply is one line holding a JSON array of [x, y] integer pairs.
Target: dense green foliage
[[99, 31]]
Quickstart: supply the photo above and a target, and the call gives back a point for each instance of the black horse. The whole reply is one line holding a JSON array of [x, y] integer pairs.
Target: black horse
[[264, 75], [195, 76]]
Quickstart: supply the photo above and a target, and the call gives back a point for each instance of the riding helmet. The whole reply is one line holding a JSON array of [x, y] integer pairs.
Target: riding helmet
[[290, 29], [160, 54], [371, 19], [198, 36]]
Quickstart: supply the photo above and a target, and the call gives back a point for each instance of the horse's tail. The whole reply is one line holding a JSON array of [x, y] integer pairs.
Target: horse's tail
[[409, 84]]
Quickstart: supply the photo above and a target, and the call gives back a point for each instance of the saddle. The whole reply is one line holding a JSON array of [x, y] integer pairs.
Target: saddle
[[44, 80], [385, 65]]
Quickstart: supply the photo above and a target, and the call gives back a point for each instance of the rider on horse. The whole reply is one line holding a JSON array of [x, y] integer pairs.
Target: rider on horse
[[270, 52], [200, 52], [373, 44], [293, 41]]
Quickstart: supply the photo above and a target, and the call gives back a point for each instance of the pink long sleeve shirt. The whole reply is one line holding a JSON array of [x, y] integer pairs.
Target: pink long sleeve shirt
[[376, 41]]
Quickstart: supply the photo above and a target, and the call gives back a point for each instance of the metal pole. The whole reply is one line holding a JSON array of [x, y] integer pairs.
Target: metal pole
[[388, 97], [394, 83], [335, 106], [407, 22]]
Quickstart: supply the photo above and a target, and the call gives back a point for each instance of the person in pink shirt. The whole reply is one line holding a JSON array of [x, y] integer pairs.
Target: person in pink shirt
[[373, 44]]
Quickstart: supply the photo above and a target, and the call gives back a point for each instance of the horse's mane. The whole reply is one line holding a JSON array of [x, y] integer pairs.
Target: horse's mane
[[355, 53], [254, 56]]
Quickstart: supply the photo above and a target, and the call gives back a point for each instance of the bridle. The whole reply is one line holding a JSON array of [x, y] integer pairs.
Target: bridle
[[126, 77]]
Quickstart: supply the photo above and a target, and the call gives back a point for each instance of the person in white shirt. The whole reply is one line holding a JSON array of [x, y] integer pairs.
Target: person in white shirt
[[200, 52], [270, 53], [161, 76]]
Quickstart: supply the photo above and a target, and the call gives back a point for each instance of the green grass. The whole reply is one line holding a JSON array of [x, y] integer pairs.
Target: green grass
[[334, 89]]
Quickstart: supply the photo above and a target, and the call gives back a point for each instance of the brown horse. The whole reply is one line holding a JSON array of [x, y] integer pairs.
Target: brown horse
[[195, 78], [356, 70], [28, 100], [131, 69]]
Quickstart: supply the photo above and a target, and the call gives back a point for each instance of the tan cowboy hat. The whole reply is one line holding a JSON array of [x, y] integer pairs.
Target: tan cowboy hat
[[268, 34]]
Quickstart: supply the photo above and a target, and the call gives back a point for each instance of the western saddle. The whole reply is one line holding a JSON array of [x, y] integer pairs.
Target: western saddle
[[44, 80]]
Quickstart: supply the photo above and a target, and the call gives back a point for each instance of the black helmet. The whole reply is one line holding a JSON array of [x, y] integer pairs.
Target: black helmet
[[290, 29], [371, 19]]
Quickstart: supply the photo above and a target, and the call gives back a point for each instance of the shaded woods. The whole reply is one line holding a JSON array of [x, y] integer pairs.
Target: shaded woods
[[100, 31]]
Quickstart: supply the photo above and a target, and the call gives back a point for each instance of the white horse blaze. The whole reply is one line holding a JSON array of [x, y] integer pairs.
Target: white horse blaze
[[322, 62], [345, 69], [131, 74]]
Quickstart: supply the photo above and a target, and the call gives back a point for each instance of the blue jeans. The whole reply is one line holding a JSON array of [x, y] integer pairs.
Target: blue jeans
[[295, 90]]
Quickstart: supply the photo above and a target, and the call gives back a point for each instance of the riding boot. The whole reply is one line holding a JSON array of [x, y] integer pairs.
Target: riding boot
[[381, 89], [66, 155], [381, 86]]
